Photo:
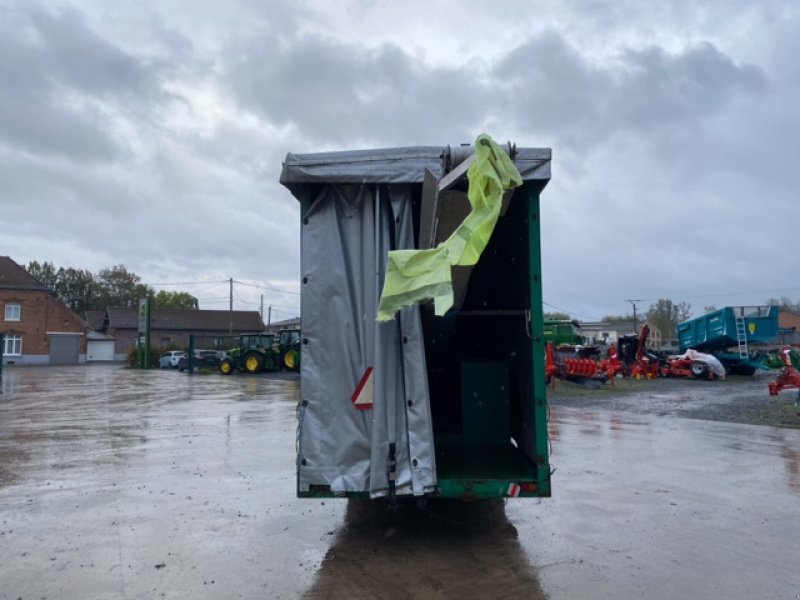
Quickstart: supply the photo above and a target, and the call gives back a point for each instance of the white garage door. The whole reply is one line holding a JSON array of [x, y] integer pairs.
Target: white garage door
[[64, 349], [99, 350]]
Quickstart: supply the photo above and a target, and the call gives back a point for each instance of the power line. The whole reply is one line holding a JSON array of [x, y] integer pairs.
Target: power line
[[571, 313], [794, 289], [187, 283], [283, 312], [264, 287], [285, 306]]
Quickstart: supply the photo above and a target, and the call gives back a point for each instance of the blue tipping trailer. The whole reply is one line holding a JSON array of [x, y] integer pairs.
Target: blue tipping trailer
[[732, 328]]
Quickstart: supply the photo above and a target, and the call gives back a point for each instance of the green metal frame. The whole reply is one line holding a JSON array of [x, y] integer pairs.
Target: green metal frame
[[190, 356], [540, 484], [143, 352], [537, 338]]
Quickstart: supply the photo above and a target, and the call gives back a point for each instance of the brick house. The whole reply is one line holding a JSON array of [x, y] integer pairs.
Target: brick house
[[789, 319], [38, 328], [172, 327], [788, 327]]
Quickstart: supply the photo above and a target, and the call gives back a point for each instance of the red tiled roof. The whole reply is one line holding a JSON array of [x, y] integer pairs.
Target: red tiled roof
[[15, 277]]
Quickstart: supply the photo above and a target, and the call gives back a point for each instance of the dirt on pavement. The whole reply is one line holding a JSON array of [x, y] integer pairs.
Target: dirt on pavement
[[734, 399]]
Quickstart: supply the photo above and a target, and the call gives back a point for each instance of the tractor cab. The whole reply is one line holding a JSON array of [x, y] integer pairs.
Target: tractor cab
[[256, 341]]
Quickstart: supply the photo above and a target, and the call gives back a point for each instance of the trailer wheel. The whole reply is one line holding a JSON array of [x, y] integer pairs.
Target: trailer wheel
[[226, 366], [699, 370], [253, 363]]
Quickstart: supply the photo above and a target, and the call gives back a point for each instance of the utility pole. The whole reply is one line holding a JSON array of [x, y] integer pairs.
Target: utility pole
[[633, 303], [230, 309], [262, 308], [269, 316]]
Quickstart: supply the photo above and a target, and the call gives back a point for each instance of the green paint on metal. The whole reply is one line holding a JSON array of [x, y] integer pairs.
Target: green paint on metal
[[537, 338], [143, 341], [485, 405], [190, 356]]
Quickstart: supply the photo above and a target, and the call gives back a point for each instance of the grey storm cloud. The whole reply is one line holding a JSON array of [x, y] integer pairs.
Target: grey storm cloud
[[160, 132], [329, 89], [332, 90], [558, 90], [64, 85]]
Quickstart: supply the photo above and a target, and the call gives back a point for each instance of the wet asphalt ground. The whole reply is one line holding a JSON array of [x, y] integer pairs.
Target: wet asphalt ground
[[123, 484]]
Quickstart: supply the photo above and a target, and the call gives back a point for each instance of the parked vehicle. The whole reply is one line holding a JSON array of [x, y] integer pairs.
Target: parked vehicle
[[448, 406], [170, 360], [201, 359], [635, 360], [289, 348], [693, 364], [729, 332], [255, 353], [561, 332]]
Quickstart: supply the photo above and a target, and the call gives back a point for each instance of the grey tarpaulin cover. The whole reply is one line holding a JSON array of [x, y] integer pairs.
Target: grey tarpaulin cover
[[357, 207]]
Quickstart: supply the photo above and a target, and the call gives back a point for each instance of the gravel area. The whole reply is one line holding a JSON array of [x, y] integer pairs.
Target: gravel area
[[735, 399]]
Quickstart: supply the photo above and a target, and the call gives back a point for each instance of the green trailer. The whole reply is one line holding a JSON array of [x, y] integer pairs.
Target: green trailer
[[450, 406]]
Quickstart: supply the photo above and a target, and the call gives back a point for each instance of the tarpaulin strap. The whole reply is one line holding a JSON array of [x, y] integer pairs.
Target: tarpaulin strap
[[413, 276], [391, 470]]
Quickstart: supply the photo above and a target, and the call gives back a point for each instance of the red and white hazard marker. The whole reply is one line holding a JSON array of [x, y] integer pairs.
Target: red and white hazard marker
[[513, 490], [362, 397]]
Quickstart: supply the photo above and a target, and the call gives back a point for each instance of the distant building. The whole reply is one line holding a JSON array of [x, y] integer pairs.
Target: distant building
[[39, 329], [788, 327], [287, 324], [602, 332], [172, 326]]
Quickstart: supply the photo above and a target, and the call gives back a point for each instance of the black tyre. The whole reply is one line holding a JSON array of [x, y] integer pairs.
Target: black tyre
[[699, 370]]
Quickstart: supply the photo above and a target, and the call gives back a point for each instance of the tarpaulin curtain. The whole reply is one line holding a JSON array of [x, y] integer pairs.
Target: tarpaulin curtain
[[347, 233]]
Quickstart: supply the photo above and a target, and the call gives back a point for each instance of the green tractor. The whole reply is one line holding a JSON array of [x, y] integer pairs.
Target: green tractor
[[256, 353], [563, 332], [289, 348]]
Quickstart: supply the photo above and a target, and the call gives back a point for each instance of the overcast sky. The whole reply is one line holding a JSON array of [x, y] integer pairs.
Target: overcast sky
[[151, 134]]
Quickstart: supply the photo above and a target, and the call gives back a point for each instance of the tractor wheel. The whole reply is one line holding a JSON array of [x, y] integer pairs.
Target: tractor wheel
[[699, 370], [253, 363], [291, 360], [226, 367]]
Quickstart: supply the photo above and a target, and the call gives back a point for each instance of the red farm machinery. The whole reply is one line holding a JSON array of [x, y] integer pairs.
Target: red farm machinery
[[789, 377], [634, 359]]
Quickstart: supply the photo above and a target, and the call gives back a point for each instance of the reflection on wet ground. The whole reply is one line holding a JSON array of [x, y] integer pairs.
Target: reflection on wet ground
[[660, 507], [446, 549], [122, 484]]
